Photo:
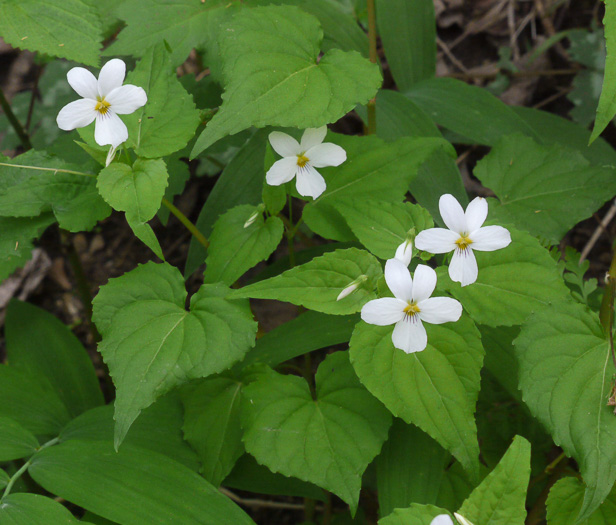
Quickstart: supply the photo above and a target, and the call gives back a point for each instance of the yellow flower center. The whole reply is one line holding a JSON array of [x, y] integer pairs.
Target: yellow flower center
[[411, 310], [463, 242], [102, 106], [302, 160]]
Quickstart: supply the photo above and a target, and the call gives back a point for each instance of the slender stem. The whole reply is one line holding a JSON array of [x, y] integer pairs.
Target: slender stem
[[537, 512], [83, 286], [21, 132], [55, 170], [309, 507], [374, 59], [39, 72], [327, 511], [291, 234], [186, 222], [24, 467], [606, 313]]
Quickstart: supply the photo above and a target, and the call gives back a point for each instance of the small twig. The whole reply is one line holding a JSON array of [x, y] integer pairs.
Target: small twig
[[39, 71], [561, 93], [451, 56], [21, 132], [260, 503], [602, 227], [469, 75]]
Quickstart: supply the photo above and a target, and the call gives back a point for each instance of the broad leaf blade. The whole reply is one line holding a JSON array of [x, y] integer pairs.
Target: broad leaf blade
[[33, 509], [565, 501], [566, 379], [272, 76], [343, 428], [15, 441], [445, 381]]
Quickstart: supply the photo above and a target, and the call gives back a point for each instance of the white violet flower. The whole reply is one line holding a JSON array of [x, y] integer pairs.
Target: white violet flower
[[464, 235], [103, 100], [300, 160], [351, 287], [404, 252], [410, 306]]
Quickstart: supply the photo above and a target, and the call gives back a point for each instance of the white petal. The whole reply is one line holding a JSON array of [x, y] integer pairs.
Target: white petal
[[436, 240], [490, 238], [110, 130], [83, 82], [476, 213], [312, 137], [438, 310], [282, 171], [424, 282], [110, 155], [111, 76], [399, 280], [410, 335], [327, 154], [283, 144], [452, 213], [404, 253], [126, 99], [309, 182], [76, 114], [442, 519], [384, 311], [463, 267]]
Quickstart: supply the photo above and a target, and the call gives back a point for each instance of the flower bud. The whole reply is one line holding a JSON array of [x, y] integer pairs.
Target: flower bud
[[351, 287], [111, 155], [404, 252], [461, 519], [253, 217]]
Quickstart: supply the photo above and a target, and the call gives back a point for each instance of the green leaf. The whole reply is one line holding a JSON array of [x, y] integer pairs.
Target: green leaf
[[317, 284], [68, 29], [212, 425], [500, 498], [132, 486], [409, 469], [180, 24], [34, 182], [27, 399], [34, 509], [169, 119], [500, 358], [544, 190], [566, 377], [445, 378], [143, 231], [16, 242], [373, 170], [513, 283], [15, 441], [235, 247], [382, 226], [298, 337], [272, 76], [408, 33], [240, 183], [153, 344], [565, 501], [470, 111], [37, 342], [158, 428], [414, 515], [4, 479], [137, 190], [342, 429], [607, 102]]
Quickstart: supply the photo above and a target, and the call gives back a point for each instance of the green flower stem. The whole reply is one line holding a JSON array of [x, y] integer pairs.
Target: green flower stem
[[606, 313], [374, 59], [189, 225], [291, 235], [55, 170], [24, 467], [21, 132]]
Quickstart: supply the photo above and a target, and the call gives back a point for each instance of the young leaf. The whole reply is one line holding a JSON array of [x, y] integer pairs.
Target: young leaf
[[565, 501], [513, 283], [382, 226], [169, 119], [69, 29], [501, 496], [317, 284], [37, 342], [131, 486], [154, 344], [272, 76], [374, 170], [544, 190], [34, 183], [143, 231], [212, 425], [445, 379], [408, 32], [414, 515], [34, 509], [15, 441], [235, 247], [341, 430], [566, 377], [137, 190]]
